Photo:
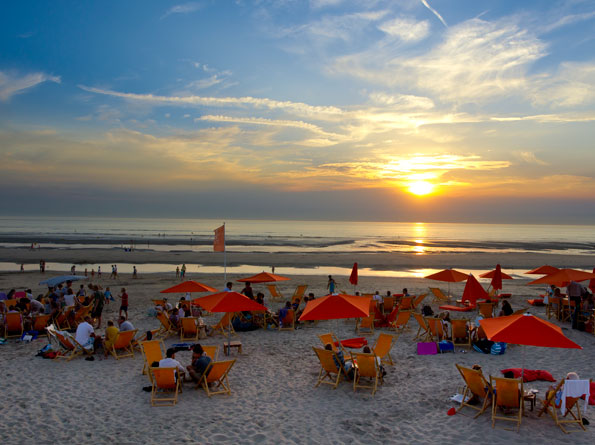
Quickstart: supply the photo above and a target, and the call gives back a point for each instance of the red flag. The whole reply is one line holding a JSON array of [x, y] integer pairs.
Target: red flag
[[219, 243], [353, 276]]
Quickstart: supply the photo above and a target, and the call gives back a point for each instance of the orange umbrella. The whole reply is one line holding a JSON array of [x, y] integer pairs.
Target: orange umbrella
[[543, 270], [473, 291], [336, 306], [263, 277], [448, 275], [491, 274], [188, 286], [228, 302], [563, 277]]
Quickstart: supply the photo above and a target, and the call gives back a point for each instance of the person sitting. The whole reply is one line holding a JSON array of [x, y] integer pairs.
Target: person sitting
[[283, 312], [125, 325], [111, 333], [379, 301], [200, 362], [260, 298], [506, 309], [174, 318], [85, 335], [170, 361], [347, 365], [69, 297], [367, 350], [247, 291], [37, 307]]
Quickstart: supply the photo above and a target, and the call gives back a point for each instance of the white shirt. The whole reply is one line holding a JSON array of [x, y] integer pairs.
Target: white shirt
[[83, 333], [170, 363], [378, 297], [126, 326], [69, 299]]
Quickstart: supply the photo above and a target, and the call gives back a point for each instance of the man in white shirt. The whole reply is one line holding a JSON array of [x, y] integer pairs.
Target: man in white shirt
[[125, 325], [170, 361], [85, 334]]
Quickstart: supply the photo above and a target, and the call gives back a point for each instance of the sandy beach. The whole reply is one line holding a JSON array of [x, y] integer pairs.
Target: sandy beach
[[273, 398]]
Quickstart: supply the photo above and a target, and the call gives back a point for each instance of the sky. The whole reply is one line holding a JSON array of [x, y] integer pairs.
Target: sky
[[413, 110]]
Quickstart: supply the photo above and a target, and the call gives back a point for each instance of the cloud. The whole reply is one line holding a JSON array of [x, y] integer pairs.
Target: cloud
[[565, 21], [11, 84], [530, 158], [573, 85], [408, 30], [318, 4], [185, 8], [425, 3], [402, 101]]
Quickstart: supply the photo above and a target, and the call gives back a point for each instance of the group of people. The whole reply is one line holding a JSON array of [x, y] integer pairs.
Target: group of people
[[85, 334], [199, 364], [181, 271], [579, 295]]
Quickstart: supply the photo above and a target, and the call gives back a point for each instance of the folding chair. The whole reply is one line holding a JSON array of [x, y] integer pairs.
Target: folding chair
[[153, 351], [274, 291], [225, 325], [460, 334], [423, 330], [417, 301], [486, 310], [382, 347], [122, 346], [40, 322], [571, 405], [508, 395], [216, 375], [365, 325], [366, 365], [166, 329], [13, 325], [400, 323], [165, 382], [475, 386], [439, 297], [330, 366], [406, 303], [189, 328], [288, 322], [331, 339]]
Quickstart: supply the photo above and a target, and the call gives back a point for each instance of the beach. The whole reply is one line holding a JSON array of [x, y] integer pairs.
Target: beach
[[273, 396]]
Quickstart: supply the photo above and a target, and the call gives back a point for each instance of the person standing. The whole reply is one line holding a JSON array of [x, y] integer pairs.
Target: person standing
[[331, 285], [575, 292], [98, 303], [177, 271], [124, 303], [134, 272], [183, 271], [247, 291], [99, 271]]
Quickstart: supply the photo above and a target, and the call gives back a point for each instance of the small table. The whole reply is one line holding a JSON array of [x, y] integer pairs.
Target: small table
[[234, 344], [530, 397]]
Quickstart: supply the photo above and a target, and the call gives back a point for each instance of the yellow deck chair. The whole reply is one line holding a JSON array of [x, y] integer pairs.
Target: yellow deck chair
[[382, 347], [460, 335], [288, 323], [71, 348], [158, 302], [217, 376], [13, 325], [225, 325], [508, 394], [211, 351], [165, 383], [475, 385], [122, 346], [435, 329], [406, 303], [572, 408], [331, 339], [299, 292], [400, 323], [417, 301], [439, 297], [365, 325], [423, 329], [61, 320], [274, 291], [166, 329], [189, 328], [367, 367], [153, 351], [40, 322], [81, 313], [328, 368], [486, 310]]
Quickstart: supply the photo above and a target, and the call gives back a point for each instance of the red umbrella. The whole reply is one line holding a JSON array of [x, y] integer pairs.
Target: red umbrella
[[448, 275], [543, 270], [563, 277], [228, 302], [491, 274], [353, 276], [336, 306], [188, 286], [263, 277], [473, 291], [592, 283]]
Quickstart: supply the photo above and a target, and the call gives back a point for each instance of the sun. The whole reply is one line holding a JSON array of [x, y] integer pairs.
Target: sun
[[421, 188]]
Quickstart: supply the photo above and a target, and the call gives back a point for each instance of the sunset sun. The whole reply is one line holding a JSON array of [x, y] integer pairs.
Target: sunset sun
[[420, 188]]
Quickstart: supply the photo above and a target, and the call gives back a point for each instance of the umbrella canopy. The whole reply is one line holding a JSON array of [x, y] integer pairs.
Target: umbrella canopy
[[563, 277], [491, 274], [228, 302], [263, 277], [188, 286], [526, 329], [592, 283], [448, 275], [543, 270], [353, 276], [473, 290], [336, 306], [62, 279]]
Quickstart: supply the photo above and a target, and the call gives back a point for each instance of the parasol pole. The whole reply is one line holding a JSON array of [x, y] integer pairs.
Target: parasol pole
[[224, 257]]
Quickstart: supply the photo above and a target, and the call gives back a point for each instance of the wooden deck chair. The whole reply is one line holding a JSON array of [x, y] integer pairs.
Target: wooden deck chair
[[435, 329], [189, 328], [225, 325], [81, 313], [400, 323], [137, 341], [439, 297], [486, 310], [288, 323], [211, 351], [331, 339], [328, 368], [572, 408], [388, 304], [417, 301], [566, 309], [299, 292], [263, 318], [365, 325], [13, 325], [166, 329], [423, 329], [61, 321], [406, 303], [40, 322], [508, 394], [158, 302], [153, 351], [274, 291], [475, 386], [166, 386], [366, 366], [70, 346], [552, 308], [122, 346], [382, 347], [217, 376], [460, 334]]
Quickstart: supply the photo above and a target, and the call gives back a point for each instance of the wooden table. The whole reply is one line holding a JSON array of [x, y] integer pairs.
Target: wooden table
[[234, 344]]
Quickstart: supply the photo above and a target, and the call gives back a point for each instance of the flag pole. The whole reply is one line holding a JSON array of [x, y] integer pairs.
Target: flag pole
[[224, 257]]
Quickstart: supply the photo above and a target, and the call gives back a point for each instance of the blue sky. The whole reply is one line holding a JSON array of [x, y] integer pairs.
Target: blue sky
[[427, 110]]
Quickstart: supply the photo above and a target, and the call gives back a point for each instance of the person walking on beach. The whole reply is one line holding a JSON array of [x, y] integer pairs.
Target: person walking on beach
[[134, 272], [183, 271], [99, 271], [124, 303], [115, 271], [73, 270], [113, 274], [177, 271], [331, 285]]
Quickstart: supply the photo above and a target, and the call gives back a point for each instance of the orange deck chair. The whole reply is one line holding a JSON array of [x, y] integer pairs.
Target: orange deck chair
[[153, 351], [329, 373], [508, 395], [330, 338], [572, 407], [166, 386], [486, 310], [13, 325], [366, 367], [299, 292], [225, 325], [40, 322], [439, 297], [435, 329], [365, 325], [417, 301], [460, 335], [217, 376], [189, 328], [70, 346], [475, 385], [400, 323], [166, 329], [406, 303], [211, 351], [274, 291], [383, 346], [122, 346], [288, 323], [423, 329]]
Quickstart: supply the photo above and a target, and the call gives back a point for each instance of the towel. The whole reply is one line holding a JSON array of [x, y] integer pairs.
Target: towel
[[575, 388]]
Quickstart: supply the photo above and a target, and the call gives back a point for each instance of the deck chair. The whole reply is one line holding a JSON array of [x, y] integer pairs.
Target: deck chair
[[61, 321], [382, 347], [40, 322], [81, 313], [423, 329], [330, 338], [566, 310], [439, 297], [475, 386], [367, 367], [225, 325], [211, 351], [486, 310], [274, 291], [13, 325], [288, 323], [400, 323], [70, 346], [417, 301], [460, 335], [508, 394], [189, 328], [435, 329], [552, 308], [153, 351], [165, 383], [572, 407], [328, 368], [388, 304], [299, 292], [406, 303], [158, 302], [122, 346], [365, 325], [216, 376]]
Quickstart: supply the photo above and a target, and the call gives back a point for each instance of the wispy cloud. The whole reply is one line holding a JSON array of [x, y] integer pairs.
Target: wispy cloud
[[406, 29], [565, 21], [185, 8], [11, 84], [530, 158], [427, 5]]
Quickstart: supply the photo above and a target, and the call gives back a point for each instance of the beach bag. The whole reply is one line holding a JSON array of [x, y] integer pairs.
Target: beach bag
[[446, 346], [484, 346], [426, 348], [498, 348]]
